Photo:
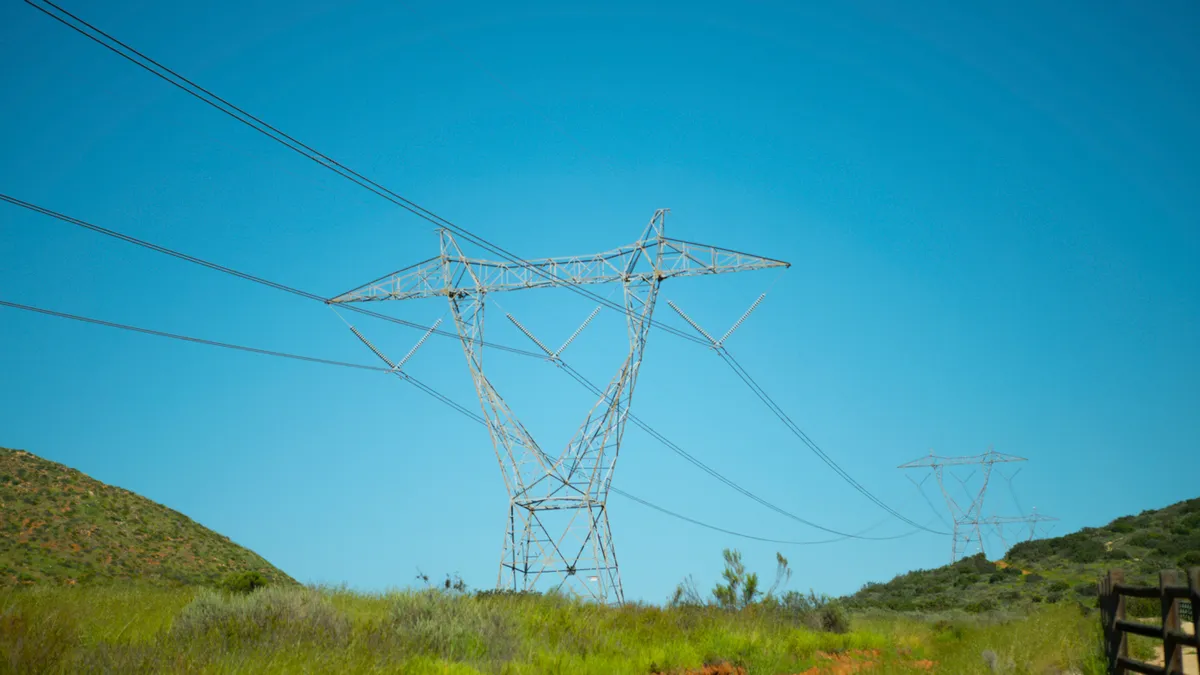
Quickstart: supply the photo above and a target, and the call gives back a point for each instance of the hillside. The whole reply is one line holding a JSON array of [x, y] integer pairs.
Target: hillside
[[62, 527], [1048, 570]]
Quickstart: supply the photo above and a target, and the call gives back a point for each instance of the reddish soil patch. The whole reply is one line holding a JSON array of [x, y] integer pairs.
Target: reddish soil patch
[[855, 661], [844, 663], [710, 669]]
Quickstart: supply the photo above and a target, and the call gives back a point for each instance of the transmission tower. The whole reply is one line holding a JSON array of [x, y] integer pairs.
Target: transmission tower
[[558, 533], [969, 522]]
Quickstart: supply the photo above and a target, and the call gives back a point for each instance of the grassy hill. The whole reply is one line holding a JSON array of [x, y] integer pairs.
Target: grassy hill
[[60, 526], [1048, 570]]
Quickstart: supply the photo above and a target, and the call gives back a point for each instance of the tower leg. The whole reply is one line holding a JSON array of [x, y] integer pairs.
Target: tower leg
[[558, 535]]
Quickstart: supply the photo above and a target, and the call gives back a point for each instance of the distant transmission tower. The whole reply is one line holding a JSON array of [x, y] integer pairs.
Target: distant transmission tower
[[969, 522], [558, 532]]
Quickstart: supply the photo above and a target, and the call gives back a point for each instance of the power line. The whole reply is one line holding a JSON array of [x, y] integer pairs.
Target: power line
[[740, 534], [406, 377], [574, 374], [241, 275], [195, 90], [578, 377], [722, 351], [732, 362], [150, 65], [186, 338], [799, 433]]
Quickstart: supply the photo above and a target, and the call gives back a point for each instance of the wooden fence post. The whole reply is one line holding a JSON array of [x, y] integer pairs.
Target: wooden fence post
[[1194, 599], [1172, 650], [1105, 584], [1120, 640], [1105, 620]]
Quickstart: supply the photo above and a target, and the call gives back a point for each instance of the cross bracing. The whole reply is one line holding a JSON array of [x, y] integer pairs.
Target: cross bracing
[[969, 521], [558, 533]]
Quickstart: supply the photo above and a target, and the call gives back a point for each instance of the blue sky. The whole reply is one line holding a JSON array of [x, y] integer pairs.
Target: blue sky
[[991, 214]]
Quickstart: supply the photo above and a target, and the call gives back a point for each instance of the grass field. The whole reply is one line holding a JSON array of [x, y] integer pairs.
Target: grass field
[[306, 630]]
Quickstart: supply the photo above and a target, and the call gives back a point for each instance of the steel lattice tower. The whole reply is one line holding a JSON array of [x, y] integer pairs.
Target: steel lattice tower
[[968, 523], [558, 533]]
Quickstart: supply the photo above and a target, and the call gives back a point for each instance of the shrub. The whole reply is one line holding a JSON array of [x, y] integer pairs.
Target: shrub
[[1033, 578], [976, 563], [1143, 607], [1084, 550], [1010, 595], [287, 615], [1145, 539], [244, 582], [833, 618], [981, 606], [439, 624], [1122, 525]]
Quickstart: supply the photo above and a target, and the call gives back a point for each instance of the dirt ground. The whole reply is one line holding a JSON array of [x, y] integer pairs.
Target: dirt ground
[[1190, 665]]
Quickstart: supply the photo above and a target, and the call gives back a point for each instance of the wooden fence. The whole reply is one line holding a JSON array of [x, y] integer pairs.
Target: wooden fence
[[1172, 591]]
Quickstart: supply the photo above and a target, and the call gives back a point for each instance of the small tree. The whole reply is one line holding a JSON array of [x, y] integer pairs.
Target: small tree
[[740, 588]]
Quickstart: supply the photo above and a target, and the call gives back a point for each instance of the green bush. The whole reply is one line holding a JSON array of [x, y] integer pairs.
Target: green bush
[[243, 582], [981, 606], [1143, 607], [833, 618], [1189, 560], [454, 627], [281, 614], [1122, 525], [1145, 539]]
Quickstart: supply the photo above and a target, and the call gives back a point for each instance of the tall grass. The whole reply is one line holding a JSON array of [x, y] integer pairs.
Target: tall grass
[[312, 630]]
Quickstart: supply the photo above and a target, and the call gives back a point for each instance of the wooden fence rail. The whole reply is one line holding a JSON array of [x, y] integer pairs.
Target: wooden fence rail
[[1171, 592]]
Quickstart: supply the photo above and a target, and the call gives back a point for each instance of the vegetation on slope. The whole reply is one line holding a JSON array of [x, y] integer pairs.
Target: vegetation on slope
[[58, 526], [135, 629], [1049, 570]]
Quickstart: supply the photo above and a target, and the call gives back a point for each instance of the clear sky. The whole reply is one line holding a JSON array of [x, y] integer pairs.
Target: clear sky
[[991, 214]]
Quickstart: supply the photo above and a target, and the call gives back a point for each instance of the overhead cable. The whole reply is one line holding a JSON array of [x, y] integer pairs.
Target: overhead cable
[[463, 410], [154, 67], [574, 374], [242, 275], [674, 447], [799, 433]]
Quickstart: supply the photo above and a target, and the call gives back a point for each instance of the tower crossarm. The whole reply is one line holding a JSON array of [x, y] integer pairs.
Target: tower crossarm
[[1009, 520], [933, 461], [637, 262]]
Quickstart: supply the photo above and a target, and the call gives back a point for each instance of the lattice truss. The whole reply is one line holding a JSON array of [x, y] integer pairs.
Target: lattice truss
[[969, 523], [558, 533]]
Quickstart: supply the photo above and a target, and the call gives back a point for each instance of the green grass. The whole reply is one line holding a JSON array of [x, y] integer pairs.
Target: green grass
[[60, 527], [94, 578], [288, 629]]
